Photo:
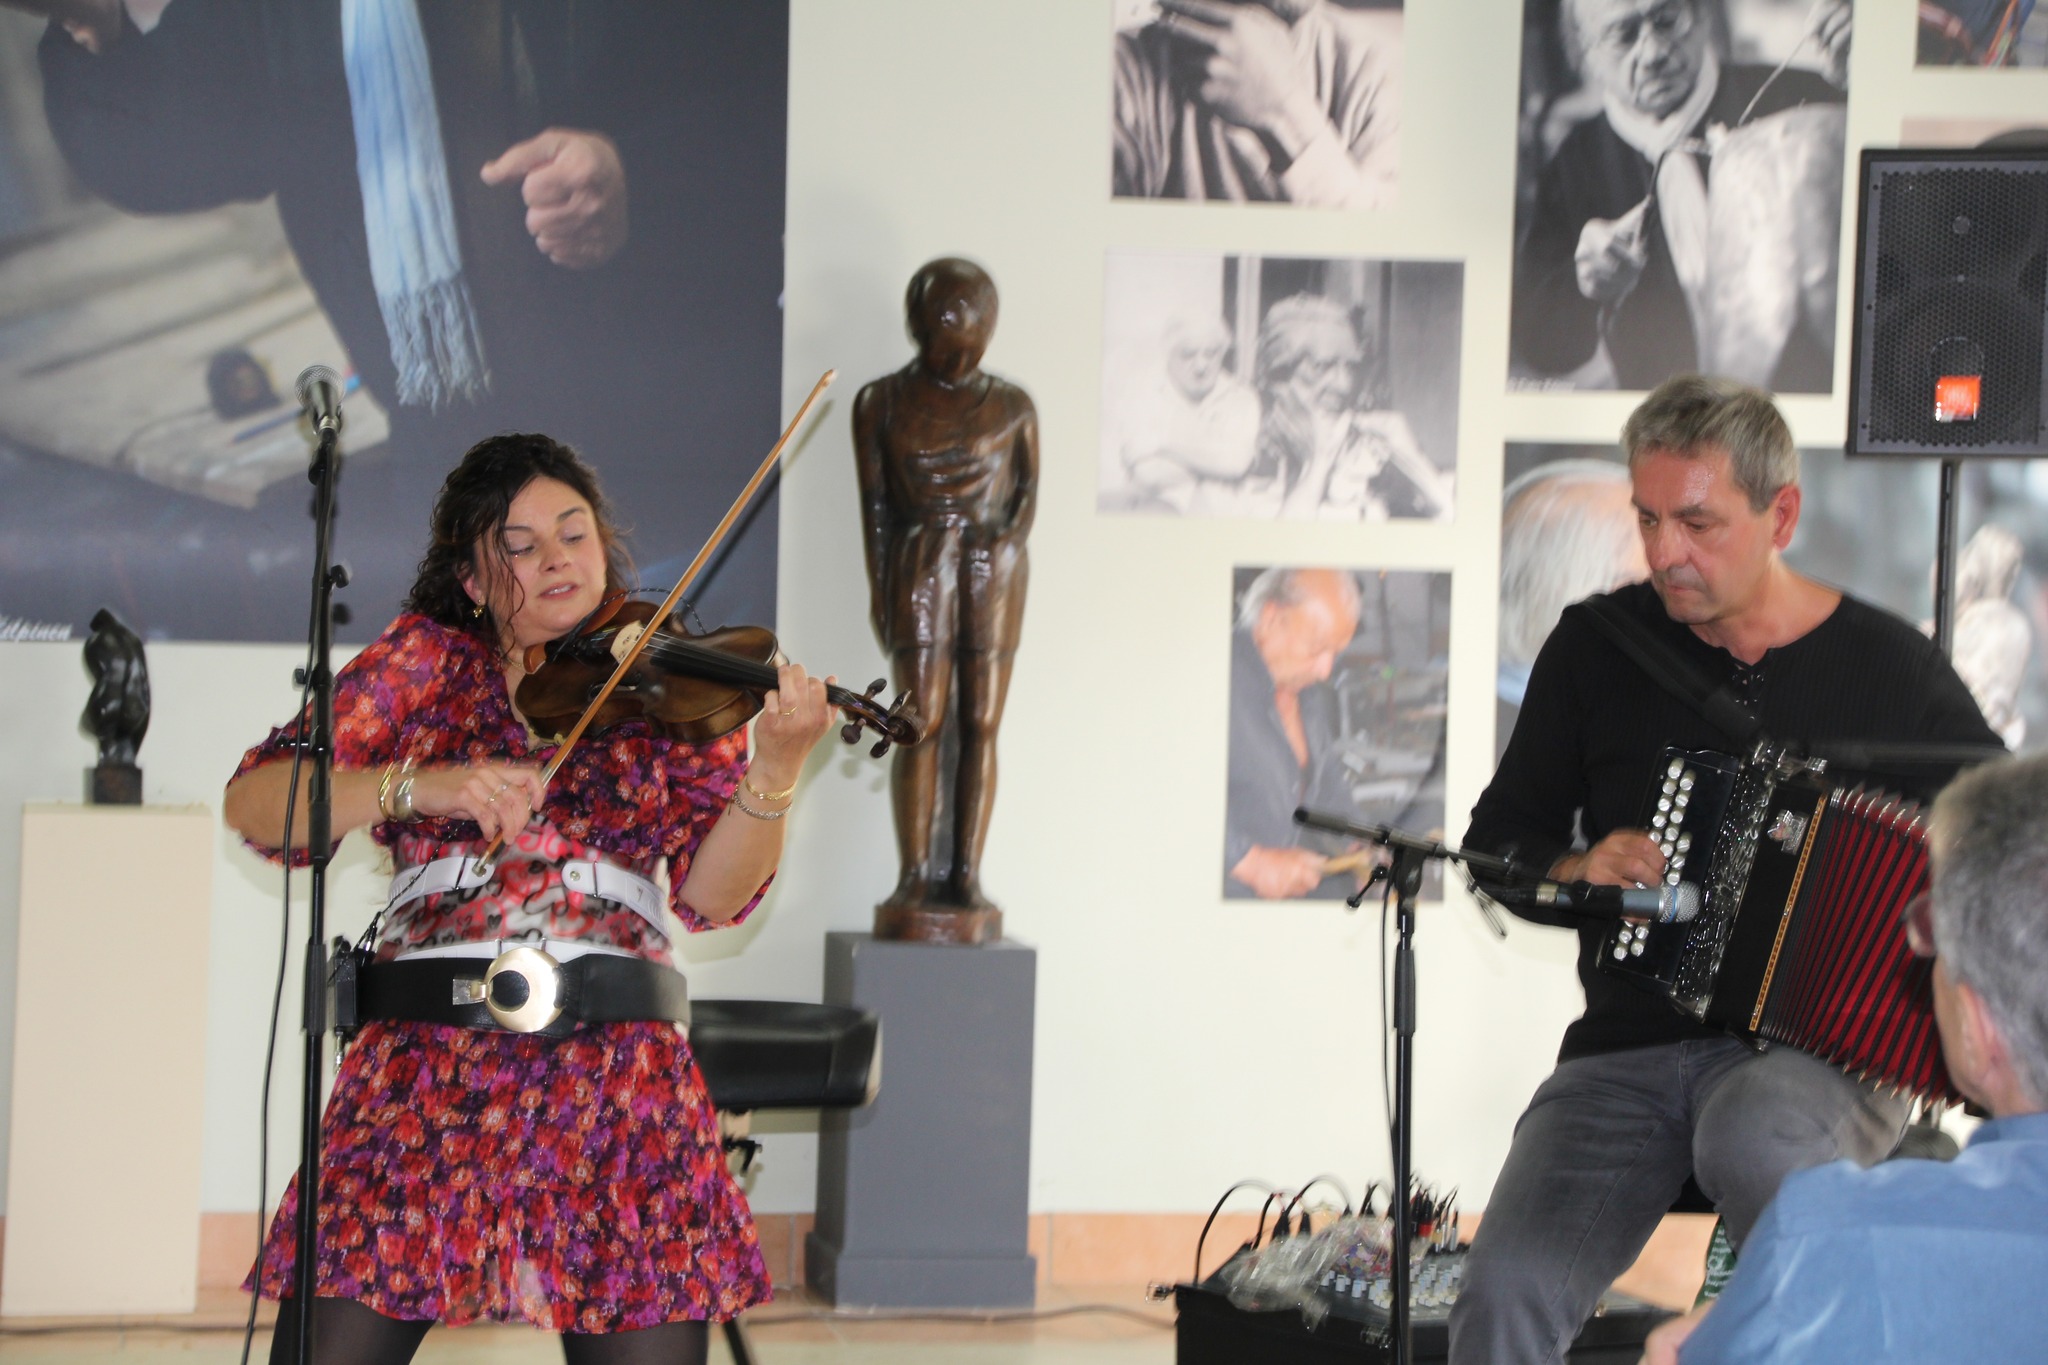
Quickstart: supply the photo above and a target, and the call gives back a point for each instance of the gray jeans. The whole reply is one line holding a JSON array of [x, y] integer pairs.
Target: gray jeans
[[1604, 1148]]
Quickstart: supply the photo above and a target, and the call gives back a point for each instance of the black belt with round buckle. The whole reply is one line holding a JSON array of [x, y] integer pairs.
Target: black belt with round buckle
[[523, 990]]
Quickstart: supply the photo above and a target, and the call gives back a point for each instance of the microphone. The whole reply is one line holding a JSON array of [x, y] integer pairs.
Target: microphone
[[1663, 904], [320, 398]]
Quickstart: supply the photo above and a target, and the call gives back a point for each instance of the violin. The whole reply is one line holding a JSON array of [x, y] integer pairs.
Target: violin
[[695, 687], [594, 675]]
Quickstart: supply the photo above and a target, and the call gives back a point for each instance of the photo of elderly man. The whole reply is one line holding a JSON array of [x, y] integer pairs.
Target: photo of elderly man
[[1679, 192]]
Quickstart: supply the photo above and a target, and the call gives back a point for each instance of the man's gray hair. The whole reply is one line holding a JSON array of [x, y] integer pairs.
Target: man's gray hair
[[1690, 414], [1557, 546], [1989, 838], [1282, 587]]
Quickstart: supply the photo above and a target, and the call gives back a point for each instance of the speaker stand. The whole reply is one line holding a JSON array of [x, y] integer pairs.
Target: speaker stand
[[1946, 518]]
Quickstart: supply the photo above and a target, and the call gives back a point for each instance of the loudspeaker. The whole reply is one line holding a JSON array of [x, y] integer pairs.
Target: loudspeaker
[[1950, 328]]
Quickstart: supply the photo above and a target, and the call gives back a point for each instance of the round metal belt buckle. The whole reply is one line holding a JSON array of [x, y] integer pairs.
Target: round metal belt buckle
[[523, 989]]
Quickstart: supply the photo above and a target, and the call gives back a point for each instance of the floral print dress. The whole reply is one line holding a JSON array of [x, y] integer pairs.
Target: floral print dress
[[577, 1184]]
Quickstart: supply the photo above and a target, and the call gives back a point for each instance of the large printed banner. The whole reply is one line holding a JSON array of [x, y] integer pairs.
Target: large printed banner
[[522, 217]]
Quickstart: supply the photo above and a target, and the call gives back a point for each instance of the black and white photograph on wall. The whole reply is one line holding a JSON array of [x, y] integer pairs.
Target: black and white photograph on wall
[[1338, 689], [1982, 33], [1567, 531], [1678, 192], [1257, 101], [1279, 387], [1866, 527], [527, 217]]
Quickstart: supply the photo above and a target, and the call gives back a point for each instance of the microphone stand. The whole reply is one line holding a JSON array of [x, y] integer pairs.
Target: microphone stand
[[1411, 853], [319, 743]]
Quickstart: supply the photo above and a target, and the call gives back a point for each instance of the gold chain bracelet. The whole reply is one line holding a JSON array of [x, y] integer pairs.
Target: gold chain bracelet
[[747, 781]]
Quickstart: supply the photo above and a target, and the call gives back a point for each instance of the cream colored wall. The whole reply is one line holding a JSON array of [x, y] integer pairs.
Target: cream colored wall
[[1182, 1043]]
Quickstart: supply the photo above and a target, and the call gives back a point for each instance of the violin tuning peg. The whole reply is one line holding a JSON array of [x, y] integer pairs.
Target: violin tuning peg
[[881, 747], [850, 732], [875, 687]]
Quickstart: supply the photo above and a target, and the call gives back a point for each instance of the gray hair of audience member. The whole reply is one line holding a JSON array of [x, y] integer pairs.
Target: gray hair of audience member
[[1692, 414], [1282, 587], [1556, 547], [1989, 837]]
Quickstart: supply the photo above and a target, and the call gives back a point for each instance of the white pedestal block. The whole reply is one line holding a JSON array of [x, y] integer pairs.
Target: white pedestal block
[[103, 1170]]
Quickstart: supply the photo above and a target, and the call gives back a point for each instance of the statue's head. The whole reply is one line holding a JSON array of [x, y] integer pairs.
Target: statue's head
[[950, 309]]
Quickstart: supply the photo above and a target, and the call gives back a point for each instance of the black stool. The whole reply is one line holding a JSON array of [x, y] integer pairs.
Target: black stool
[[782, 1054]]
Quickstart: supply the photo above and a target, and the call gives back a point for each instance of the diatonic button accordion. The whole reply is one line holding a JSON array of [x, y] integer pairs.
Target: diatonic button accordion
[[1798, 937]]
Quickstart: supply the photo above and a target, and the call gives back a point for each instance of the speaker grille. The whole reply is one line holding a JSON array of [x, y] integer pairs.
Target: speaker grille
[[1953, 281]]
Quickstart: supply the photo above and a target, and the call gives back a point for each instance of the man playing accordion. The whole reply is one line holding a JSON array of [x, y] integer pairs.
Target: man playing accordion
[[1644, 1095]]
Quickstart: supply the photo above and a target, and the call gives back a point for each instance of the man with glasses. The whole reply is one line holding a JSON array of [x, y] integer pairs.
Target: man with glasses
[[1923, 1260], [1617, 248]]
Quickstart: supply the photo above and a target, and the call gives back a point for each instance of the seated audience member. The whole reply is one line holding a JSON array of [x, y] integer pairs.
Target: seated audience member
[[1927, 1260]]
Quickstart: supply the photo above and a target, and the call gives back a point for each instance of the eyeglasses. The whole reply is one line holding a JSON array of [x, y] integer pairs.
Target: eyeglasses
[[1668, 23], [1918, 921]]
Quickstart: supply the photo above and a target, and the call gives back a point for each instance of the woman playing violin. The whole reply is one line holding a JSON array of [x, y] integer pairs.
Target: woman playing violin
[[572, 1179]]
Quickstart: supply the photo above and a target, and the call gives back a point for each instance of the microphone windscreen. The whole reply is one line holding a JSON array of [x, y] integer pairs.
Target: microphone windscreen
[[316, 374], [1685, 902]]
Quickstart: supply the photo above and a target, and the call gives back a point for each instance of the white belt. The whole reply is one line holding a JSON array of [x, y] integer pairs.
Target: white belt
[[560, 949], [585, 876]]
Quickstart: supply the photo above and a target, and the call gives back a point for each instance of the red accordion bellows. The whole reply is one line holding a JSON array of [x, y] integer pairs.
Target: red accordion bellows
[[1846, 987]]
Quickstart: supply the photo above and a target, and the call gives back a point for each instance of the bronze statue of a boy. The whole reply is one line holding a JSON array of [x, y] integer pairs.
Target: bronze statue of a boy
[[948, 459]]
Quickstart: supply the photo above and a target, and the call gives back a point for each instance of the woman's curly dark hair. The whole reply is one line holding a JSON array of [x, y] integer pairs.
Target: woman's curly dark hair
[[470, 513]]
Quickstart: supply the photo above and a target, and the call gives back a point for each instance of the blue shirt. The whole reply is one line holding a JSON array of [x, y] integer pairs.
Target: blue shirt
[[1907, 1261]]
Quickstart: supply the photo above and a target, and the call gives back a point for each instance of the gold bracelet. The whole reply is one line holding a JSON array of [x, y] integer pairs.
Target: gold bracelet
[[747, 781], [745, 809], [400, 807], [384, 789]]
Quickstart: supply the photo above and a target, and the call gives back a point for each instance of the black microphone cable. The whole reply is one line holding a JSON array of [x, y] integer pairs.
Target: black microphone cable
[[284, 949]]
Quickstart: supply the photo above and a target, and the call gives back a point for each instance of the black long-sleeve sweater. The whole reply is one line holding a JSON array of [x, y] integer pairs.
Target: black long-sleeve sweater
[[1592, 724]]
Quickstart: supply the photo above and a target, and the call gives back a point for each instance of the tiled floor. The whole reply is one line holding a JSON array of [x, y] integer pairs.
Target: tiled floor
[[789, 1332]]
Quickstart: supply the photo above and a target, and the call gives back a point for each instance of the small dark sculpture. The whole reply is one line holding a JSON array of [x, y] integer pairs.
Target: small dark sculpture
[[117, 712], [948, 462]]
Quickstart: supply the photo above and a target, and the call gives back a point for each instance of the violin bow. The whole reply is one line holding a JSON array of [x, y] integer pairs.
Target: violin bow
[[632, 655]]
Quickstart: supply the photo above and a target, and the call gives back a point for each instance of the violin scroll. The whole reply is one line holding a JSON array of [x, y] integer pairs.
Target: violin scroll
[[900, 724]]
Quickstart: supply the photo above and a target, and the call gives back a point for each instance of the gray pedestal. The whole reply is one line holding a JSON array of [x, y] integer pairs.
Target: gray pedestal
[[923, 1196]]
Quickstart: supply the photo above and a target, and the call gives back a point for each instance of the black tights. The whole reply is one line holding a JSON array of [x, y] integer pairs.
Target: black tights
[[347, 1333]]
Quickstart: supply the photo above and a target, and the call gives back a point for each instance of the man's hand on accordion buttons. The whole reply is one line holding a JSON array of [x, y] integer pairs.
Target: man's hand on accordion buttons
[[1627, 857]]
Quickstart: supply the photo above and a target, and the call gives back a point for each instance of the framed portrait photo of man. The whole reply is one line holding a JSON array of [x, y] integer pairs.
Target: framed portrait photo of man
[[1678, 192]]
